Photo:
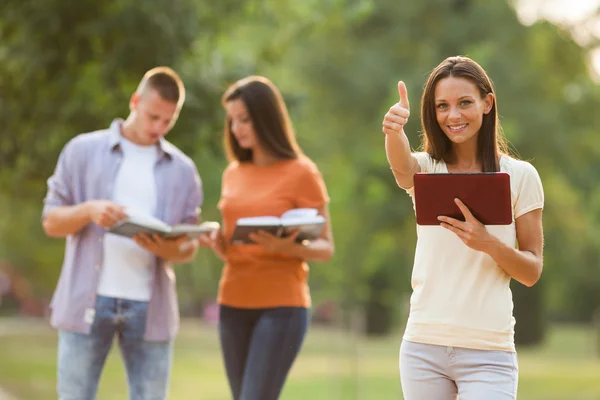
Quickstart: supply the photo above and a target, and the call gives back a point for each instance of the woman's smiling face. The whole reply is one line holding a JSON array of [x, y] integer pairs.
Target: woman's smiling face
[[459, 109]]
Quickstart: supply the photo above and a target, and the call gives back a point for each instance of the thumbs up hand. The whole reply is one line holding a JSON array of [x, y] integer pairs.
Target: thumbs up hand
[[395, 119]]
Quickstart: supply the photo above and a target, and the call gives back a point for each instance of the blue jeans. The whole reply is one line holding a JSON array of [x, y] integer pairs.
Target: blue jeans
[[81, 357], [259, 347]]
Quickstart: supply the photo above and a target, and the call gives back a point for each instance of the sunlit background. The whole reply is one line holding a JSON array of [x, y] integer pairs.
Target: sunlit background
[[577, 17], [68, 67]]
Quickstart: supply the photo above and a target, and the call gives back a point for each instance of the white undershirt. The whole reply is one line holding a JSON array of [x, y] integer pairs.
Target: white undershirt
[[127, 268]]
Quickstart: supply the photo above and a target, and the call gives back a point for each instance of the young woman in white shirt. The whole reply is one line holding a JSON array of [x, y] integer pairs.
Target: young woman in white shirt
[[459, 338]]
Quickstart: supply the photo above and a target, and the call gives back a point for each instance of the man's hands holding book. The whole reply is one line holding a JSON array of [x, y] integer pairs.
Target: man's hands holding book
[[168, 249], [105, 213]]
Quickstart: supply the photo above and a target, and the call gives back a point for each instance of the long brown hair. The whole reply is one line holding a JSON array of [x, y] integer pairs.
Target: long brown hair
[[269, 116], [491, 144]]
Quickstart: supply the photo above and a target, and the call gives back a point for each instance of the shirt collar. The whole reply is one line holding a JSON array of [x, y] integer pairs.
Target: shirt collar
[[164, 147]]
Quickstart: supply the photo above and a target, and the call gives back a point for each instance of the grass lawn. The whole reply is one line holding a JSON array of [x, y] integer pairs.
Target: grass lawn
[[332, 366]]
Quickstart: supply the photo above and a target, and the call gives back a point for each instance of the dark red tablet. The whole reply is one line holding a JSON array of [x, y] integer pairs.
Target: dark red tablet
[[487, 194]]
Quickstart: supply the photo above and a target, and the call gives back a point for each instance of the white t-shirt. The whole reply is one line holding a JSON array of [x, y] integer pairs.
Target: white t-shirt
[[461, 297], [127, 268]]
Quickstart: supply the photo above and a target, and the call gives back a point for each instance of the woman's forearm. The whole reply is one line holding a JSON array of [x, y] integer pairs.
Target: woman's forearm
[[523, 266], [399, 156], [66, 220], [320, 250]]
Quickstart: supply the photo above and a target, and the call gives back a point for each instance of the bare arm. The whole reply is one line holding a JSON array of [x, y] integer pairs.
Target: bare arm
[[62, 221], [397, 148], [216, 242], [404, 165], [524, 264]]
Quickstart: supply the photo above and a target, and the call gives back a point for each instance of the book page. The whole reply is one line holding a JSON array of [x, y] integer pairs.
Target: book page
[[300, 213], [259, 221], [206, 226], [146, 220], [301, 216], [307, 220]]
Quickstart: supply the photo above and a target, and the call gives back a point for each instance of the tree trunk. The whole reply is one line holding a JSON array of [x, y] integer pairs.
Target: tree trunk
[[530, 313]]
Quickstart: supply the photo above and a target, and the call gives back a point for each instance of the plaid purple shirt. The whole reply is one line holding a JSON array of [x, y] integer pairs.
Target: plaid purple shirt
[[86, 170]]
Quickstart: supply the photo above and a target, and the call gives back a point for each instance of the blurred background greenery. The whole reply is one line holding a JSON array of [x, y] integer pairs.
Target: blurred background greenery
[[69, 66]]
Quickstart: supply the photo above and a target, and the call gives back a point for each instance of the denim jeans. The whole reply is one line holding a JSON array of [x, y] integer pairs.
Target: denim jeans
[[443, 373], [259, 347], [81, 357]]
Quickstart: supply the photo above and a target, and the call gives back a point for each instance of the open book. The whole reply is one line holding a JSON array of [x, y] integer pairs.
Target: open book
[[306, 220], [141, 223]]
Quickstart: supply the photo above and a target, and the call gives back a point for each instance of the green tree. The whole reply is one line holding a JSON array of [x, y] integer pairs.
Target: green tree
[[350, 69]]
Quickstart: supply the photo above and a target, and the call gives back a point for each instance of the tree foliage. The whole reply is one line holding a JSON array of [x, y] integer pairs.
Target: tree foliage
[[68, 67]]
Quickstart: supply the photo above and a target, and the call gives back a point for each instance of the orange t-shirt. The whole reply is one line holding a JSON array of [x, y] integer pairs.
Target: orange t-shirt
[[253, 277]]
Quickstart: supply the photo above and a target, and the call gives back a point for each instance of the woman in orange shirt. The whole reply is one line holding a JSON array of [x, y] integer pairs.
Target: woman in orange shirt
[[263, 293]]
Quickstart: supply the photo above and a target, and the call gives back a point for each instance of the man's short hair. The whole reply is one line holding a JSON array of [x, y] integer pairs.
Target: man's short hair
[[166, 82]]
